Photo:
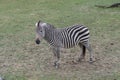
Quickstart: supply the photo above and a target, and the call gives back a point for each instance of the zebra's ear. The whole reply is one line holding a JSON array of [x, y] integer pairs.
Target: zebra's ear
[[38, 23]]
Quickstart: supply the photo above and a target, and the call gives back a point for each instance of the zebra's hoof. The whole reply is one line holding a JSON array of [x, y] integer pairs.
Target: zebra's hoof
[[56, 65], [91, 61], [80, 59]]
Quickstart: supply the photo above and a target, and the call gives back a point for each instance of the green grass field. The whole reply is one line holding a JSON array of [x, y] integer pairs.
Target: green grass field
[[22, 59]]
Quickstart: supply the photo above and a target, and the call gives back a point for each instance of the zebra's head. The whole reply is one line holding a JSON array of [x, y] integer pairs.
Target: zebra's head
[[41, 30]]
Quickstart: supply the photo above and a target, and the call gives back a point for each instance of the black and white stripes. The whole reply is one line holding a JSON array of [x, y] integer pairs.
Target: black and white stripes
[[64, 38], [74, 35]]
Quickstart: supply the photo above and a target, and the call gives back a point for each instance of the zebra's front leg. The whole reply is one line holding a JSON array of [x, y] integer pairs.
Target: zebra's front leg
[[56, 52]]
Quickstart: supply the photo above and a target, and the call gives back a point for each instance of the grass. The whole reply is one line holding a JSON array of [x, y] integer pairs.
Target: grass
[[22, 59], [109, 77]]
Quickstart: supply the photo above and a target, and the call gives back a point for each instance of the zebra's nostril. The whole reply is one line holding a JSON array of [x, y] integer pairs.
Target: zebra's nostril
[[37, 41]]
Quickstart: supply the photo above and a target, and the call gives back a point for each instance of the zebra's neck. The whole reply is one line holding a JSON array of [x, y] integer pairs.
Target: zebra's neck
[[49, 35], [53, 37]]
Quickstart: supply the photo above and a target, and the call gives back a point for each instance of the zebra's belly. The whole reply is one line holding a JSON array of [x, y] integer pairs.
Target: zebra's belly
[[69, 43]]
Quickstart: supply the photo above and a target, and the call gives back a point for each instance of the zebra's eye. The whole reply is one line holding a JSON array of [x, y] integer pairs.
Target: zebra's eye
[[41, 31]]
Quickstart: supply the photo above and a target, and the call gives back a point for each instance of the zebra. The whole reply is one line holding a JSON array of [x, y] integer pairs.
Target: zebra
[[64, 38]]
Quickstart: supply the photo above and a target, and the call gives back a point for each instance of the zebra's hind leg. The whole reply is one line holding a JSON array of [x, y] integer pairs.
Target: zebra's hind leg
[[56, 52], [82, 56], [87, 45]]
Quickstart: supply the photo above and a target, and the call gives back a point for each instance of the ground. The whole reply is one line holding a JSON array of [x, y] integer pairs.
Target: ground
[[22, 59]]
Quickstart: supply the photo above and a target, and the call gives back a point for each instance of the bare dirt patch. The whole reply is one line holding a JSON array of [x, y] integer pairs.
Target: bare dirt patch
[[40, 62], [36, 61]]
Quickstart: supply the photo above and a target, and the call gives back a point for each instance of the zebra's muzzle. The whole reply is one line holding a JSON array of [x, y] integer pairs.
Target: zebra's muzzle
[[37, 41]]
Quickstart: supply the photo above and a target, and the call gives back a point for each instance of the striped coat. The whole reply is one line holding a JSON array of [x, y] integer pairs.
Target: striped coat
[[64, 38]]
